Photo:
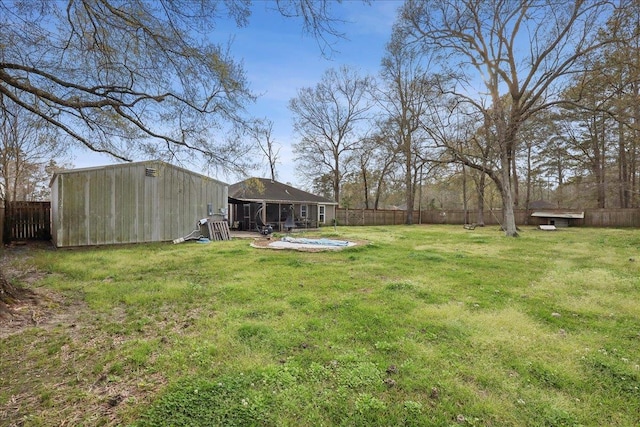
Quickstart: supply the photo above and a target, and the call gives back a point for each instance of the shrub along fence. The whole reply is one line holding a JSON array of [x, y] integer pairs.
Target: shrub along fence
[[592, 217]]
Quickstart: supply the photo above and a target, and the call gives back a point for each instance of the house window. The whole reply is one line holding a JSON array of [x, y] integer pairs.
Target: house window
[[321, 214], [303, 211]]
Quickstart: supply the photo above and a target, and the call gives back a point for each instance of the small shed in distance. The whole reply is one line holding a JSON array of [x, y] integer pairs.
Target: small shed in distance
[[137, 202], [558, 218]]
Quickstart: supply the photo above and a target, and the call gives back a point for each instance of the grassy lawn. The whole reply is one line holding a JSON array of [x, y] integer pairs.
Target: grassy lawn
[[424, 326]]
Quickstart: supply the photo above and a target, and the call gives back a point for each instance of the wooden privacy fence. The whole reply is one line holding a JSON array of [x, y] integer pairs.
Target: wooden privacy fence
[[27, 221], [612, 217], [398, 217], [370, 217], [592, 217], [32, 220]]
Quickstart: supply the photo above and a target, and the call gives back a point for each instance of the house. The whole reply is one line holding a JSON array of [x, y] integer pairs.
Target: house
[[138, 202], [558, 218], [260, 200]]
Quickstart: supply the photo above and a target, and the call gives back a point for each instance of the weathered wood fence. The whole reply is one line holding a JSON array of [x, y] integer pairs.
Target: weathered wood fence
[[27, 221], [398, 217], [32, 220], [612, 217], [592, 217]]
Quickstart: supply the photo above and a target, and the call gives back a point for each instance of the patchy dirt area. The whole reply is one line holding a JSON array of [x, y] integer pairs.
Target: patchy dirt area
[[273, 243], [61, 331], [23, 304]]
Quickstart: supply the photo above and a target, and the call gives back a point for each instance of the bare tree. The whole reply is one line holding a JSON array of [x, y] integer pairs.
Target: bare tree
[[623, 75], [261, 132], [589, 132], [317, 20], [27, 147], [377, 158], [405, 98], [506, 60], [327, 117], [605, 103], [124, 77], [363, 158]]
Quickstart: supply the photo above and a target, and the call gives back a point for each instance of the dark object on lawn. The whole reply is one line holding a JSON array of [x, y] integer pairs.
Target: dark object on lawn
[[470, 226]]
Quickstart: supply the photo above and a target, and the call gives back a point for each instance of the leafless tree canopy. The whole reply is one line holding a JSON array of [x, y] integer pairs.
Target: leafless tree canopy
[[507, 61], [326, 117], [124, 76], [27, 149], [112, 74], [262, 134]]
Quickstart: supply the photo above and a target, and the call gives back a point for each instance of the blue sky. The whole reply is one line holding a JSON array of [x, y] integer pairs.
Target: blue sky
[[279, 59]]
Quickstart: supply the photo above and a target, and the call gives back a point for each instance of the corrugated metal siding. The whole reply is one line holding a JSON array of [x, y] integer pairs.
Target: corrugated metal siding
[[120, 204]]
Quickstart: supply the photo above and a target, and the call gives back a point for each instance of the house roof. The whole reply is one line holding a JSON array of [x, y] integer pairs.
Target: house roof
[[568, 215], [266, 190]]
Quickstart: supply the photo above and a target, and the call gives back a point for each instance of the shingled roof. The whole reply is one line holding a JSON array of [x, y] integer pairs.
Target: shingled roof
[[266, 190]]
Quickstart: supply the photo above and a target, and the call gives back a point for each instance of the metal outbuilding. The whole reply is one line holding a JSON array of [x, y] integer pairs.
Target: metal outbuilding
[[150, 201]]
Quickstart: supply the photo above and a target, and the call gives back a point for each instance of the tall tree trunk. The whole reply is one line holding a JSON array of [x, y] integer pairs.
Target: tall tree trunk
[[376, 201], [336, 182], [365, 184], [408, 180], [514, 175], [481, 190], [597, 163], [527, 200], [409, 196], [380, 183], [623, 178], [602, 180], [635, 145], [508, 215], [464, 194]]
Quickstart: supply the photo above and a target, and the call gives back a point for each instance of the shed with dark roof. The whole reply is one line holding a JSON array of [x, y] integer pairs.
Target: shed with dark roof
[[558, 218], [256, 200]]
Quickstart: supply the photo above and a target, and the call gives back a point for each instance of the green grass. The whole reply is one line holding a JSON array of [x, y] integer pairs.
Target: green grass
[[425, 325]]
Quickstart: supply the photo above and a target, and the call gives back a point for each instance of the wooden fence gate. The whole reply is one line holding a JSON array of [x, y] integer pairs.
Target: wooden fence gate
[[27, 221]]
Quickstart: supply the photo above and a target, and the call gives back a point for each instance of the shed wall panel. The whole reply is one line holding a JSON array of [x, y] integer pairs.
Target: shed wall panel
[[54, 213], [121, 204], [120, 213], [149, 194], [74, 204]]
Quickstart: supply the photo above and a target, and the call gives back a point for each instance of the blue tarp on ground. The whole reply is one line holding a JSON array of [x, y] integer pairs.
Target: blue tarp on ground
[[324, 242]]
